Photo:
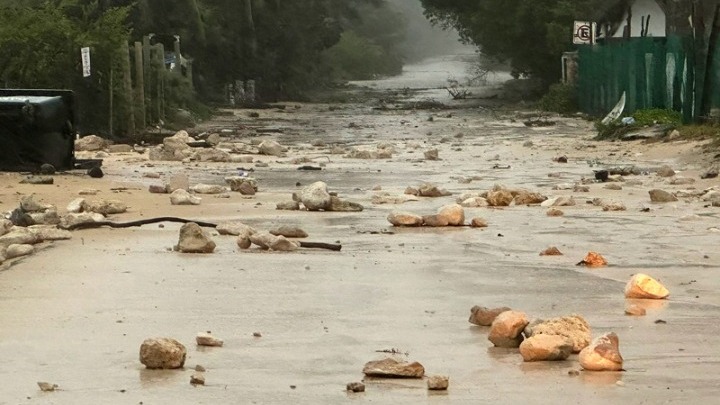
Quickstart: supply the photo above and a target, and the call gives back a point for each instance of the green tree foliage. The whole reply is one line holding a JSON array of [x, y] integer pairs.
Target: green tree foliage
[[530, 34]]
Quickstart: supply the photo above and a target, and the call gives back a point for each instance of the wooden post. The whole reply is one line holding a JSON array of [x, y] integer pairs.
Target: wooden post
[[148, 69], [110, 123], [160, 64], [128, 105], [140, 122]]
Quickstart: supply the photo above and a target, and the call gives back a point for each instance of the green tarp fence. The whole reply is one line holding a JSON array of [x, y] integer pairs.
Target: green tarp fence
[[653, 73]]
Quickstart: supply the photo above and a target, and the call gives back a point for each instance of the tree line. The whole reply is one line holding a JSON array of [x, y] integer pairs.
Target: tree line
[[285, 46]]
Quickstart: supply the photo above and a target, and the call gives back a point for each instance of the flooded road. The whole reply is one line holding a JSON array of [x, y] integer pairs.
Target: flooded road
[[76, 312]]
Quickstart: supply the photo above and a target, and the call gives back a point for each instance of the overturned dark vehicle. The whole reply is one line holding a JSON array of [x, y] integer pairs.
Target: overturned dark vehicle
[[37, 127]]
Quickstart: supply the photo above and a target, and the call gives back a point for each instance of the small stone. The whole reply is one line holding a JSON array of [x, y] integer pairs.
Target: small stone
[[199, 368], [38, 180], [593, 259], [613, 206], [432, 154], [562, 201], [506, 329], [500, 198], [554, 212], [661, 196], [47, 387], [47, 169], [95, 172], [29, 204], [162, 353], [528, 198], [438, 383], [551, 251], [644, 286], [197, 379], [430, 190], [271, 148], [288, 206], [207, 189], [543, 347], [405, 219], [182, 197], [454, 214], [194, 240], [282, 244], [665, 171], [392, 368], [15, 250], [206, 339], [603, 354], [478, 222], [157, 189], [289, 232], [246, 188], [635, 310], [483, 316], [75, 206], [355, 387], [613, 186], [412, 191], [257, 334]]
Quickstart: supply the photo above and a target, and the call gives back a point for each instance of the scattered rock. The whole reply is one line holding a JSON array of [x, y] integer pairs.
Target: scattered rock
[[391, 368], [90, 143], [120, 148], [500, 198], [105, 207], [438, 383], [474, 202], [288, 206], [158, 189], [206, 339], [562, 201], [47, 169], [661, 196], [29, 204], [710, 173], [454, 214], [37, 180], [478, 222], [339, 205], [95, 172], [506, 329], [483, 316], [242, 184], [271, 148], [545, 348], [315, 197], [387, 198], [432, 154], [635, 310], [207, 189], [593, 259], [430, 190], [200, 368], [355, 387], [613, 206], [194, 240], [212, 155], [551, 251], [281, 244], [581, 189], [75, 206], [574, 328], [412, 191], [554, 212], [527, 198], [19, 236], [289, 232], [263, 239], [682, 181], [162, 353], [50, 232], [234, 228], [197, 379], [613, 186], [14, 250], [644, 286], [665, 171], [182, 197], [436, 221], [47, 387], [405, 219], [603, 354], [70, 220]]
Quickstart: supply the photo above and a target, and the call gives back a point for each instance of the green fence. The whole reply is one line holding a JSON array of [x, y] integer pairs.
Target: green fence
[[653, 73]]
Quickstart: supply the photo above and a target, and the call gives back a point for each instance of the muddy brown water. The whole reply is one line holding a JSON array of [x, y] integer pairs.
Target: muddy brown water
[[76, 312]]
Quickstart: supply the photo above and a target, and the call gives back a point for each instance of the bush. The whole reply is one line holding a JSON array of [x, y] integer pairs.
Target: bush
[[657, 117], [560, 98]]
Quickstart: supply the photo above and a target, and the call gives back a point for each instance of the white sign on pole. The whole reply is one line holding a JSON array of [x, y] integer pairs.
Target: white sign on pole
[[584, 32], [85, 53]]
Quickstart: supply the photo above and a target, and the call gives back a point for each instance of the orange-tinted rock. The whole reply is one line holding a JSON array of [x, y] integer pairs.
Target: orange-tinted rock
[[644, 286]]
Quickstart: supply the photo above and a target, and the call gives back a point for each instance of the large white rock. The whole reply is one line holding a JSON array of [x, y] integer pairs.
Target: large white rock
[[162, 353], [28, 203], [315, 197], [405, 219], [208, 189], [73, 219], [90, 143], [212, 155], [206, 339], [76, 206], [19, 236], [235, 228], [105, 207], [50, 232], [182, 197], [14, 251]]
